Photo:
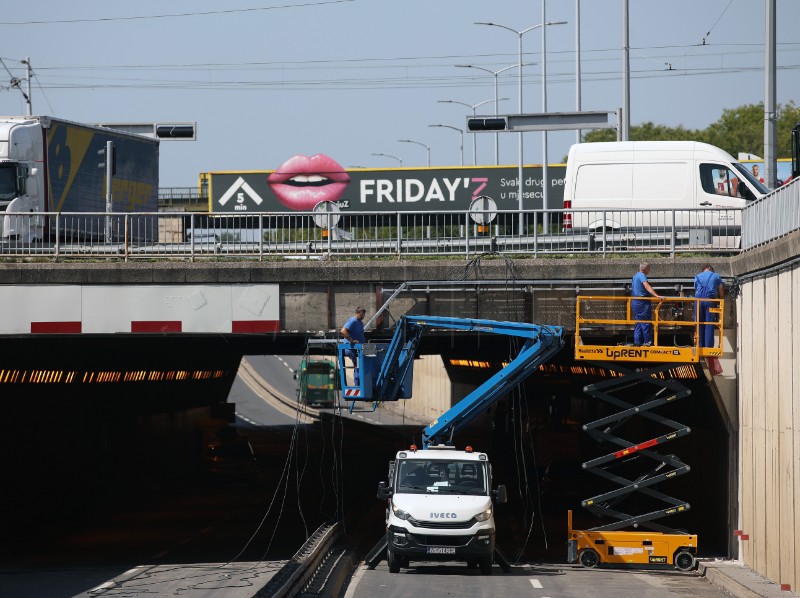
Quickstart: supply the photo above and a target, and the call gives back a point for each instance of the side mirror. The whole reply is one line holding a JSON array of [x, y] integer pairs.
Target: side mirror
[[384, 492], [500, 495]]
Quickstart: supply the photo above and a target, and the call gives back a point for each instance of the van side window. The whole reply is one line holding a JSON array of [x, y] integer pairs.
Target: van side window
[[718, 180]]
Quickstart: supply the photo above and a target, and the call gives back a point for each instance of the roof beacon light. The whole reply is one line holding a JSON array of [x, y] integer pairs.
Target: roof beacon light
[[468, 449], [413, 448]]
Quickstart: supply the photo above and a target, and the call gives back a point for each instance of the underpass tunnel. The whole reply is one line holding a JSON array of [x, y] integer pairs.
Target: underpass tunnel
[[99, 441]]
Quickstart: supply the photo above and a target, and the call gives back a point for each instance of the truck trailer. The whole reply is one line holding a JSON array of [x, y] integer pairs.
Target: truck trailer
[[50, 170]]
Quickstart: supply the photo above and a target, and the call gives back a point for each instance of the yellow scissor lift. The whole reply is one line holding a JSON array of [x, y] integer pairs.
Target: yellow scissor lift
[[636, 391]]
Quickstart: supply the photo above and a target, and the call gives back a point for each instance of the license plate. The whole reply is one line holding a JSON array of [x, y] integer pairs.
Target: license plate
[[441, 550]]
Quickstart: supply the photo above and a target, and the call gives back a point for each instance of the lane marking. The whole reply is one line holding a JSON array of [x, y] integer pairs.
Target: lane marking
[[103, 586], [536, 584]]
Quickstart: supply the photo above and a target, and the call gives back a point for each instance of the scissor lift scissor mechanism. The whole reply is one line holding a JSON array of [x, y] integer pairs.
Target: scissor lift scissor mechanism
[[638, 468]]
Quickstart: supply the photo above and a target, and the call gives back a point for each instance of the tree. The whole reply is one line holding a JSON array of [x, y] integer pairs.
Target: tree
[[737, 130]]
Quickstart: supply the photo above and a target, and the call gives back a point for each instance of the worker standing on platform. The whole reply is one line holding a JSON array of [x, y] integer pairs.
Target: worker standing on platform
[[642, 308], [353, 331], [707, 285]]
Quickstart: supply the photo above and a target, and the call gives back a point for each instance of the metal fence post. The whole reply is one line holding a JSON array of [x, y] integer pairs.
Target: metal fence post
[[399, 248], [673, 236], [466, 238], [260, 237]]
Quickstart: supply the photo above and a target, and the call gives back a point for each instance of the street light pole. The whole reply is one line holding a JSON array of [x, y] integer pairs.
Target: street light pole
[[427, 147], [473, 106], [391, 156], [519, 35], [462, 138], [495, 74]]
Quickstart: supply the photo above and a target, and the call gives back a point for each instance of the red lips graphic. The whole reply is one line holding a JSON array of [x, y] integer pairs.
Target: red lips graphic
[[301, 182]]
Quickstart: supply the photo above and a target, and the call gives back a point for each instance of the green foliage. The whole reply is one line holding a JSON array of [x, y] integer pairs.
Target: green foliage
[[737, 130]]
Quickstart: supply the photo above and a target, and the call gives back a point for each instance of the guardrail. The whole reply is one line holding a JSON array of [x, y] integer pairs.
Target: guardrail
[[171, 196], [772, 216], [183, 235]]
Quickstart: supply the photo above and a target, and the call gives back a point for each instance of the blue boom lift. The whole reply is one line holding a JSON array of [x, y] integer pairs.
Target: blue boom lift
[[385, 371]]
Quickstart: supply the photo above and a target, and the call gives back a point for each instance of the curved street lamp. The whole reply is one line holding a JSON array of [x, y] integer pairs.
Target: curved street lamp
[[519, 34], [391, 156], [427, 147], [461, 131], [473, 106], [495, 74]]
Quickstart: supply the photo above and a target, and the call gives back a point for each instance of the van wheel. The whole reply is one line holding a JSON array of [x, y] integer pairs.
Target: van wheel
[[472, 564], [394, 562], [486, 565]]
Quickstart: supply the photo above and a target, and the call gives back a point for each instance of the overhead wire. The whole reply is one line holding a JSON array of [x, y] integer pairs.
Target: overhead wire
[[174, 15]]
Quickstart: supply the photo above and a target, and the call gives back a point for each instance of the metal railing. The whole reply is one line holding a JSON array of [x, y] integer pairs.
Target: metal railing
[[772, 216], [172, 196], [190, 235]]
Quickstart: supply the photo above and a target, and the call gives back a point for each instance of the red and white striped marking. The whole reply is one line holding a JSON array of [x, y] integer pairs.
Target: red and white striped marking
[[149, 309], [352, 392]]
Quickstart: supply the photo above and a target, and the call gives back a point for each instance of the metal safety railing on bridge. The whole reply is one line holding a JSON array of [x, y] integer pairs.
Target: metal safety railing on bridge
[[190, 235]]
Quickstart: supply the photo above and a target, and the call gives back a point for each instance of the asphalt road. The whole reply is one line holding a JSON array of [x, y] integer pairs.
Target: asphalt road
[[568, 581]]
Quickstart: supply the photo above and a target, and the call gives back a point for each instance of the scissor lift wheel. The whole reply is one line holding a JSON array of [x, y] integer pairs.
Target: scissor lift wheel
[[685, 561], [589, 558]]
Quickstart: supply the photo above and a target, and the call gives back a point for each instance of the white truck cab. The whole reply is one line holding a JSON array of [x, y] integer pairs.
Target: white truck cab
[[441, 507]]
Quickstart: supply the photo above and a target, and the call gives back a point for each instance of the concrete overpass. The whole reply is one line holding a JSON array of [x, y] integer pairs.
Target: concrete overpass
[[756, 397]]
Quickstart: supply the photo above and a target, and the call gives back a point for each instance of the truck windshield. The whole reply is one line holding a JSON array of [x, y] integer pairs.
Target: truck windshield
[[8, 181], [437, 476]]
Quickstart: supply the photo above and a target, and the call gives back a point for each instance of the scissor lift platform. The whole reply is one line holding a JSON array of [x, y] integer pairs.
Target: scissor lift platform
[[599, 318]]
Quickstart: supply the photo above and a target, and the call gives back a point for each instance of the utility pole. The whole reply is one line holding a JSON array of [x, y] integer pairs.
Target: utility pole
[[770, 108], [626, 74]]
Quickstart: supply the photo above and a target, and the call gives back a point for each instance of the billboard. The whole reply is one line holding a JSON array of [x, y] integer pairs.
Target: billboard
[[302, 182]]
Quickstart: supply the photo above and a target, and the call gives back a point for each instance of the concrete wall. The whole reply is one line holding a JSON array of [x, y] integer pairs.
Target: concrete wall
[[432, 390], [769, 414]]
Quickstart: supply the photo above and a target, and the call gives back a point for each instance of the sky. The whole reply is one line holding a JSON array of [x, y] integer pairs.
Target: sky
[[266, 80]]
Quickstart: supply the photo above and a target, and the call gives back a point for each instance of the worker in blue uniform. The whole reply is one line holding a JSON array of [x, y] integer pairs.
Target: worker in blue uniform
[[707, 285], [353, 331], [642, 308]]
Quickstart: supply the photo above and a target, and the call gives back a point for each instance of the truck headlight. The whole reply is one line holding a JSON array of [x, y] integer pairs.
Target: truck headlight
[[484, 516], [400, 513]]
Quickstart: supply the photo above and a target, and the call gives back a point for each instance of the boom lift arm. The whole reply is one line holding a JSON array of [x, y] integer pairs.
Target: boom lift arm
[[392, 382]]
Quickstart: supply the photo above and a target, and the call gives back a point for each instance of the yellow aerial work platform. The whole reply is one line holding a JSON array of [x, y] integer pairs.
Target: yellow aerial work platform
[[601, 318], [637, 468]]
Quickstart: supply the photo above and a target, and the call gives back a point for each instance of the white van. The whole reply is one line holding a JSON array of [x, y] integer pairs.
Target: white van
[[694, 187]]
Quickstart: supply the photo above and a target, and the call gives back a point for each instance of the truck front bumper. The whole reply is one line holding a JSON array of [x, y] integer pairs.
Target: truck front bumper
[[430, 547]]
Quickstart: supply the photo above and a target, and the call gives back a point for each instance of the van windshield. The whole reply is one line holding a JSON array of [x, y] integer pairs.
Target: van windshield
[[8, 181], [763, 189], [439, 476]]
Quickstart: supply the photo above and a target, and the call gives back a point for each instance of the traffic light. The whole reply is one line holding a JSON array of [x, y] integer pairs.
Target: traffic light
[[496, 123], [102, 154], [175, 130]]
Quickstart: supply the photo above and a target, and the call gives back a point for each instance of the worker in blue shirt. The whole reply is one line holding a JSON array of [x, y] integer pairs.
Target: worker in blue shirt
[[642, 308], [707, 285], [353, 331]]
